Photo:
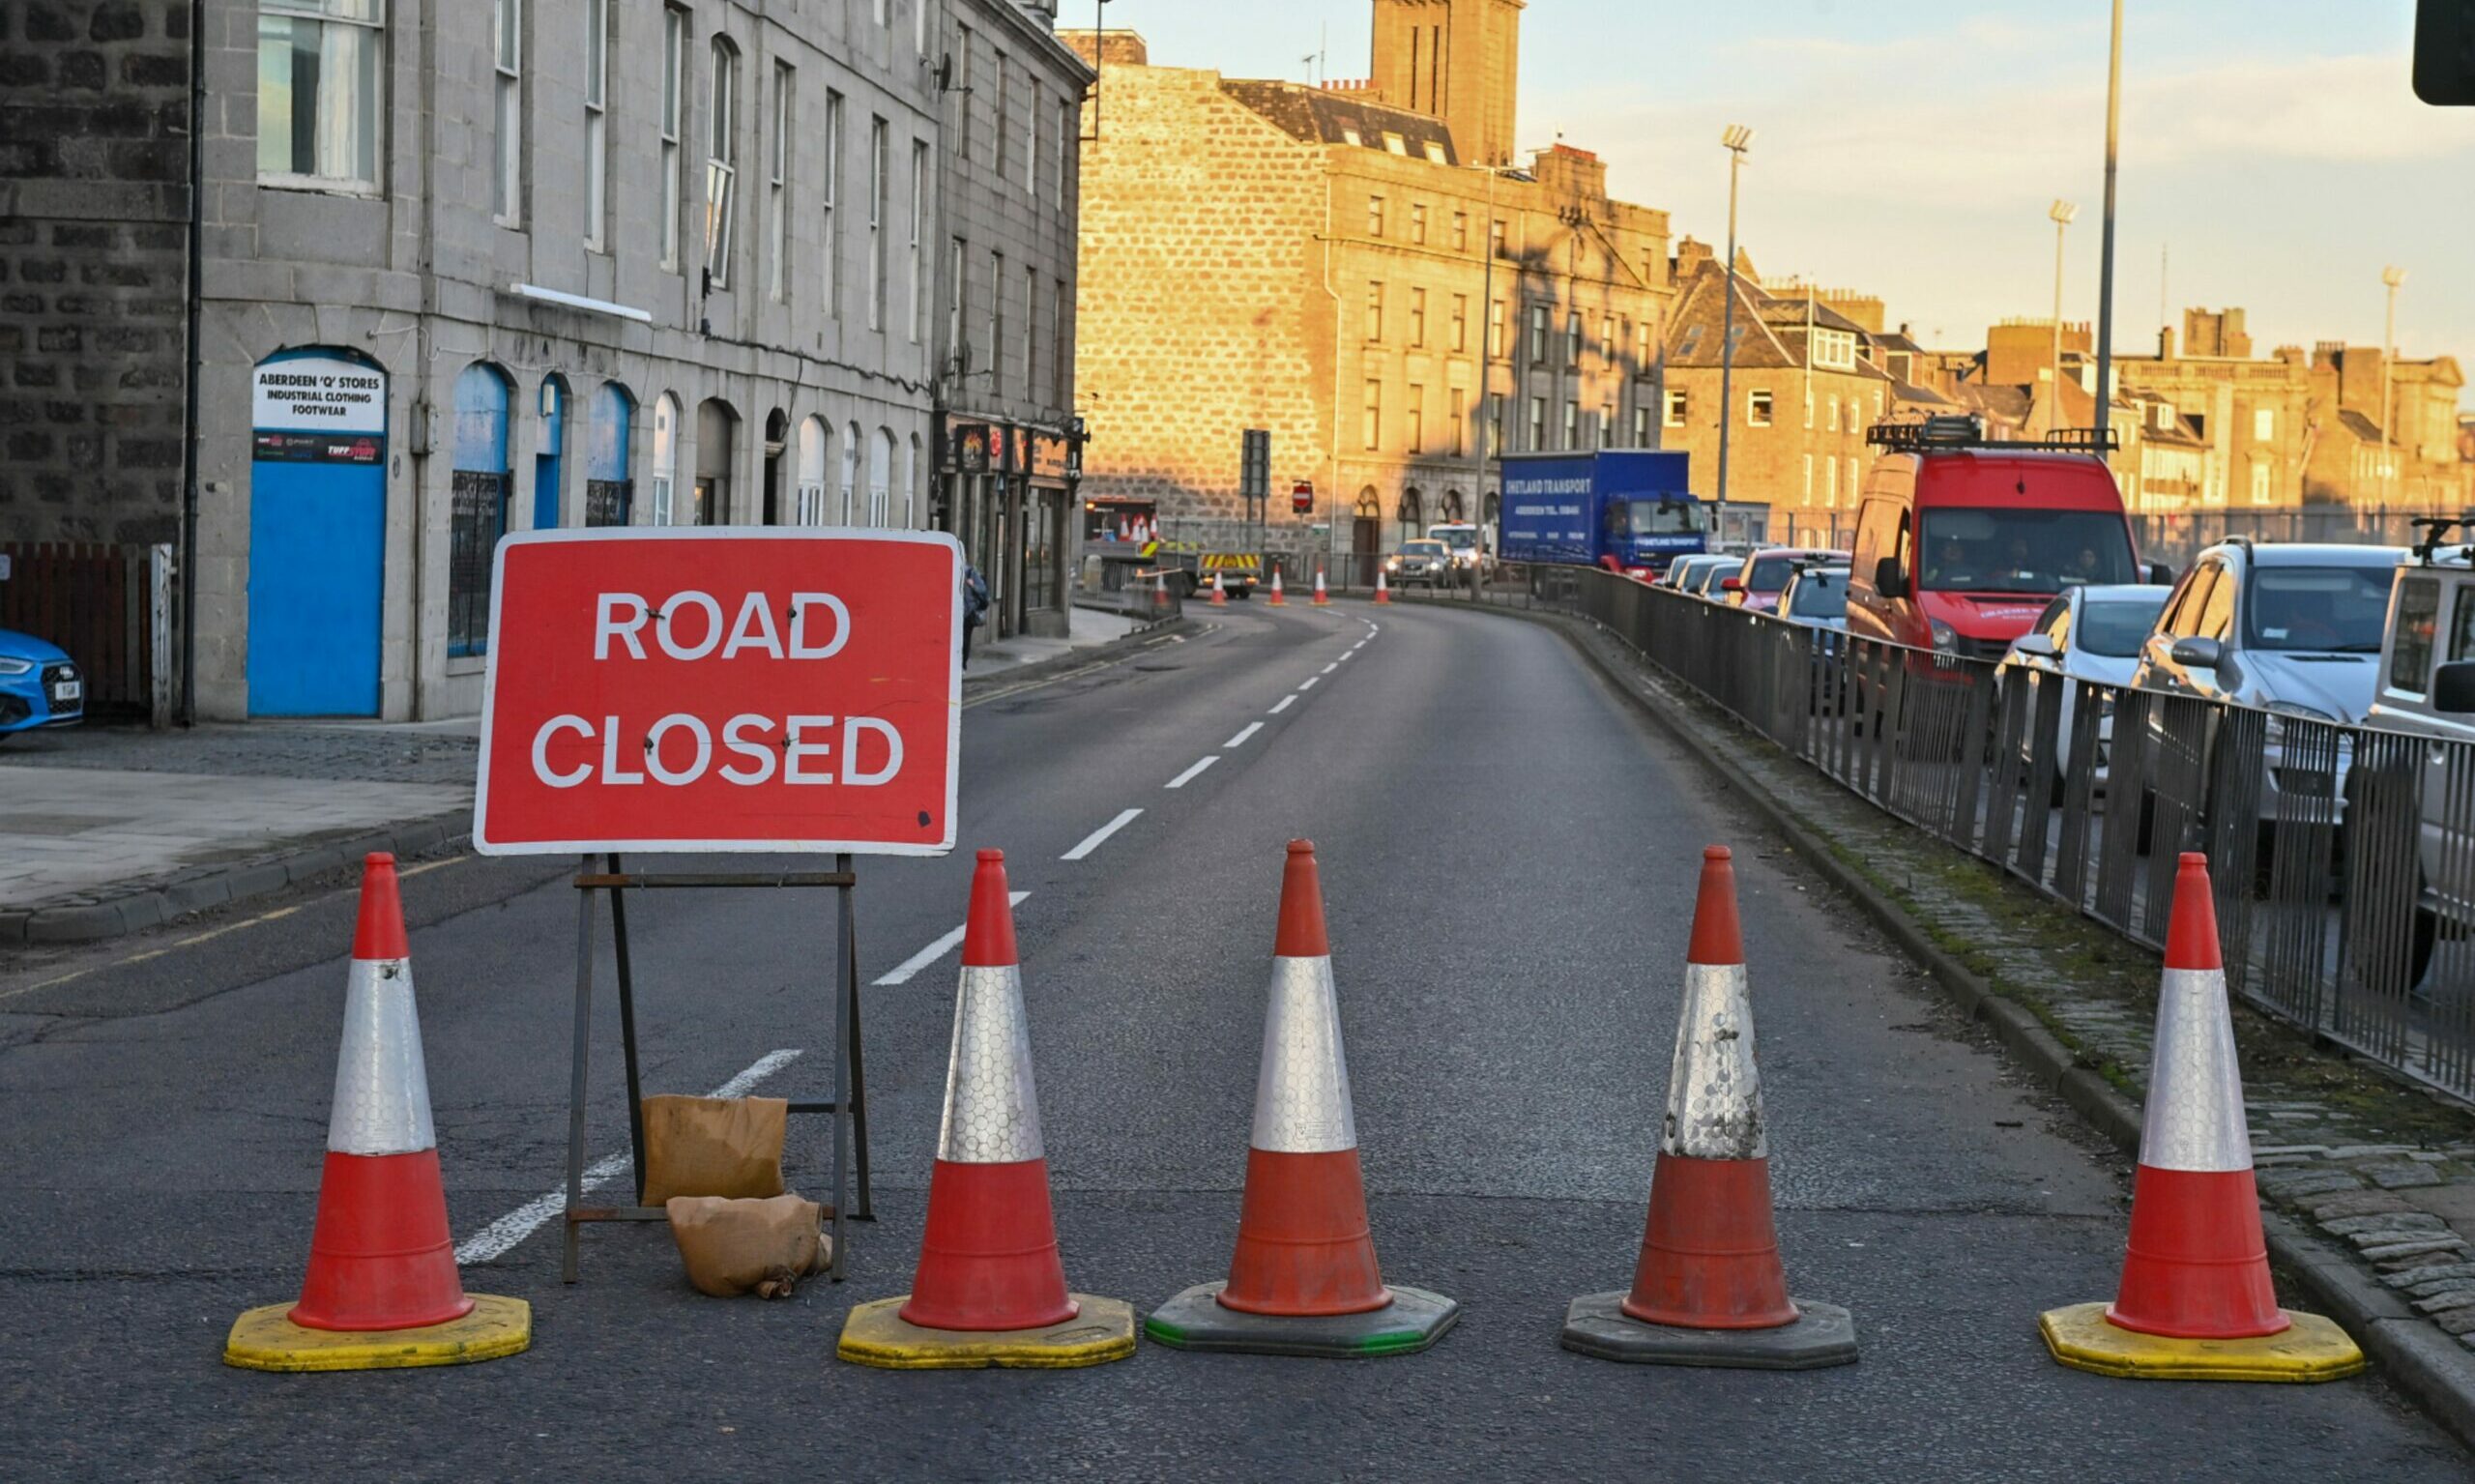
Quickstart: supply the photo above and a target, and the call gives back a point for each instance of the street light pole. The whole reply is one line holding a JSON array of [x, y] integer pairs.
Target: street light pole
[[2395, 277], [2061, 212], [2106, 253], [1486, 375], [1737, 139]]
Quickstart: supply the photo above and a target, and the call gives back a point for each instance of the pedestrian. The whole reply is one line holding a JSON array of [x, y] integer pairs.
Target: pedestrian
[[975, 606]]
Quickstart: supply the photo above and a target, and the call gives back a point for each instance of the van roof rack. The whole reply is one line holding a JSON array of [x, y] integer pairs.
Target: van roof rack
[[1966, 430], [2435, 530]]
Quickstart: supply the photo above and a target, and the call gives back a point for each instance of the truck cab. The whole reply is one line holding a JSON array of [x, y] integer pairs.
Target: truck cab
[[1622, 510]]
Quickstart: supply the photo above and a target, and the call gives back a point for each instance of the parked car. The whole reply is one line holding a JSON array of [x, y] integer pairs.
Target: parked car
[[1706, 582], [1816, 598], [1428, 563], [40, 685], [1685, 575], [1468, 549], [1756, 585], [2092, 635], [1960, 543], [2425, 687], [2295, 630]]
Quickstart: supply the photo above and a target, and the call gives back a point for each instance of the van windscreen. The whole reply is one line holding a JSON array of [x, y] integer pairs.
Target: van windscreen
[[2022, 551]]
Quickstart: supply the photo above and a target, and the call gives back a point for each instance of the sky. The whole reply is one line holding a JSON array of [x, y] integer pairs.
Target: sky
[[2273, 151]]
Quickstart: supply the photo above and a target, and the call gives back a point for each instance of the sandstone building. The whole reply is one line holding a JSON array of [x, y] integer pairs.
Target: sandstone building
[[1358, 270]]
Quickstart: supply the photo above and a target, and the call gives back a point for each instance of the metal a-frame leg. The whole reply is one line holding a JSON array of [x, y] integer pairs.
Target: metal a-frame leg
[[576, 1087]]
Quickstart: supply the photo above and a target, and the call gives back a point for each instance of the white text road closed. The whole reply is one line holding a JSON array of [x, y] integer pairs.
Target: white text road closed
[[721, 690]]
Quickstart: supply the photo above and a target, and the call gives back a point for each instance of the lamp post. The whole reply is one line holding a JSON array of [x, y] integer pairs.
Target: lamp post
[[1738, 138], [2106, 253], [2395, 278], [2061, 212]]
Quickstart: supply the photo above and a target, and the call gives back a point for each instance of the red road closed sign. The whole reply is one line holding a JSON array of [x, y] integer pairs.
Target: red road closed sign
[[721, 689]]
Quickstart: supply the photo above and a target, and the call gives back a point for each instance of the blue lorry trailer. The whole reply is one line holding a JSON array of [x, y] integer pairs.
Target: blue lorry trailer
[[1625, 509]]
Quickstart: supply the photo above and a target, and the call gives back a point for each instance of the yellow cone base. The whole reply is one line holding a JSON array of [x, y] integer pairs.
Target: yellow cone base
[[265, 1340], [2314, 1349], [876, 1334]]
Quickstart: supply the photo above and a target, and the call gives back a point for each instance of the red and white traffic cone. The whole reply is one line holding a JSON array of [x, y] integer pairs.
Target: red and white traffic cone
[[1709, 1287], [381, 1289], [2196, 1301], [1383, 590], [1219, 596], [1303, 1279], [1321, 599], [1276, 599], [990, 1289]]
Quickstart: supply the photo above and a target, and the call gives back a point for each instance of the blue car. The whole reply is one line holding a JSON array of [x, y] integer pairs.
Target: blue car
[[40, 685]]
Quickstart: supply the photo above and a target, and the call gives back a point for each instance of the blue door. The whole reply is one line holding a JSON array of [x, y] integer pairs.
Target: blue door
[[317, 536], [545, 462]]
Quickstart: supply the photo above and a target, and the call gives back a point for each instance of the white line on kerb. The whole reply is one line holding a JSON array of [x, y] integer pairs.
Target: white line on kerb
[[1308, 683], [1286, 702], [501, 1236], [1188, 776], [1094, 840], [901, 972], [1251, 728]]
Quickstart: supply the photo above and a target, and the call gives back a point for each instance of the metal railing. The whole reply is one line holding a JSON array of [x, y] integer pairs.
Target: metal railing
[[2343, 856]]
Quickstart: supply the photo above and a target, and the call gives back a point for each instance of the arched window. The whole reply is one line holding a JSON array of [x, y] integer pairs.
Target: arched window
[[910, 490], [850, 475], [477, 504], [1452, 506], [716, 434], [549, 461], [1370, 504], [880, 473], [778, 439], [812, 446], [1411, 513], [665, 457], [608, 491], [1490, 509]]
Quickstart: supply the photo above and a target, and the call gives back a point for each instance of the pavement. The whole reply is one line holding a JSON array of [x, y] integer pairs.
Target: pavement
[[105, 831], [1508, 852]]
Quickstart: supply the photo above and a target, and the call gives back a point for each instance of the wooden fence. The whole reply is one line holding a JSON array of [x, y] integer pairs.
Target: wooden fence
[[109, 608]]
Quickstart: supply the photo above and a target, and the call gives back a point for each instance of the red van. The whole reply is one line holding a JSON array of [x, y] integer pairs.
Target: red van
[[1960, 543]]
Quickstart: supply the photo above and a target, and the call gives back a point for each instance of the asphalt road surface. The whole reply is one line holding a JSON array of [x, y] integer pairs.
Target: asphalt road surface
[[1508, 855]]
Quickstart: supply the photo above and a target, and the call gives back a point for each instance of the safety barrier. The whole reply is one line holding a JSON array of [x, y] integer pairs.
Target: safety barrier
[[2344, 855]]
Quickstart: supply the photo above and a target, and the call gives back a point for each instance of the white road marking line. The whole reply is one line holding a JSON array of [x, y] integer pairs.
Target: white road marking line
[[1252, 727], [1354, 648], [1308, 683], [1286, 702], [1188, 776], [1099, 836], [1334, 665], [502, 1235], [901, 972]]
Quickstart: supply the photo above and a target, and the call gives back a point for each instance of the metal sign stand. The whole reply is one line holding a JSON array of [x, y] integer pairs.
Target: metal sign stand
[[850, 1113]]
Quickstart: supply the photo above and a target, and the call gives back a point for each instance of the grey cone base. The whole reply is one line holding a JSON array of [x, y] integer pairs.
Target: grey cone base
[[1824, 1334], [1194, 1320]]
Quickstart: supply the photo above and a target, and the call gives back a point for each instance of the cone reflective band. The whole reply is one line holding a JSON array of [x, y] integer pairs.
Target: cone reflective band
[[2195, 1301], [990, 1288], [1709, 1287], [1303, 1279], [381, 1258]]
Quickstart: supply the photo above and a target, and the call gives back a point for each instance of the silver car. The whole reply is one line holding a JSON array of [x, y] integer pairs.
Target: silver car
[[2090, 634], [1685, 575], [2294, 630]]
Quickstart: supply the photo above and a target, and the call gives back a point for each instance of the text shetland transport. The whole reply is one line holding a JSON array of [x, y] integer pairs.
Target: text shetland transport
[[721, 690]]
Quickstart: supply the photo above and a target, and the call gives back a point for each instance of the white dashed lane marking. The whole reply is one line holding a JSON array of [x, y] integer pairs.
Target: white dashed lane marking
[[1094, 840], [901, 972]]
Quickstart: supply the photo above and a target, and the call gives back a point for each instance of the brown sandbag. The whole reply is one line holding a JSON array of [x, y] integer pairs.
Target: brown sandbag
[[745, 1246], [714, 1146]]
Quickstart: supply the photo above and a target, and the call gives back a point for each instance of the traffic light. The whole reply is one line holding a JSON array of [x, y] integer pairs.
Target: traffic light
[[2445, 52]]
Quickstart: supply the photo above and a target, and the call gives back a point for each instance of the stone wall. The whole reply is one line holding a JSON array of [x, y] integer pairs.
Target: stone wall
[[94, 201]]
